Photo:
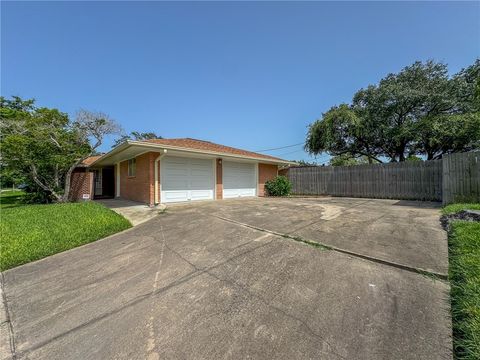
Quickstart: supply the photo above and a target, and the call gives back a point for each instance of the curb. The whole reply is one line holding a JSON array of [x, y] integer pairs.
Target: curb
[[7, 349]]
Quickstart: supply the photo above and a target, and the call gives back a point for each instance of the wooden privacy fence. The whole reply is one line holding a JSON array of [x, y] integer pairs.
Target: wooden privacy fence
[[453, 179], [461, 178]]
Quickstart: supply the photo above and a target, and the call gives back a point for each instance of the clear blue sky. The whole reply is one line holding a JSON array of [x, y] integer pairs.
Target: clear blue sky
[[250, 75]]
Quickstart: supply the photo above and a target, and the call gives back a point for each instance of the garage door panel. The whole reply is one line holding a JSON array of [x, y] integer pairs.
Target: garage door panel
[[174, 196], [201, 195], [185, 179], [233, 193], [239, 179], [200, 184]]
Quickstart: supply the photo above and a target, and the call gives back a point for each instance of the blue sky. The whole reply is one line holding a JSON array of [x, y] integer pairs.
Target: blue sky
[[251, 75]]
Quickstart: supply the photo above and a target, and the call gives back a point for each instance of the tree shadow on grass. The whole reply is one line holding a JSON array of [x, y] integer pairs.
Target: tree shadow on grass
[[11, 199]]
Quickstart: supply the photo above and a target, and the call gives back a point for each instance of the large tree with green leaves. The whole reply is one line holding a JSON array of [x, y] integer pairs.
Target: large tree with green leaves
[[419, 111], [45, 146]]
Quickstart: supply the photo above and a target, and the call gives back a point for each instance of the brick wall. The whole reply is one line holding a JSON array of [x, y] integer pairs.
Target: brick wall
[[219, 180], [140, 187], [283, 172], [81, 183], [265, 172]]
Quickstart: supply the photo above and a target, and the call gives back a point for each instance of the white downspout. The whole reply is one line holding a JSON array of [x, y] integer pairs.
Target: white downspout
[[156, 189]]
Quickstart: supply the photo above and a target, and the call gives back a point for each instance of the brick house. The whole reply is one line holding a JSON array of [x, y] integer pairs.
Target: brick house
[[174, 170]]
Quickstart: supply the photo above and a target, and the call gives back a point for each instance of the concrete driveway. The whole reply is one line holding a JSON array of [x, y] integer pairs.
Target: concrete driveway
[[210, 281]]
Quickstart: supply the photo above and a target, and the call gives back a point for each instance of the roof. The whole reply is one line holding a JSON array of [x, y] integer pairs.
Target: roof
[[89, 160], [189, 143], [132, 148]]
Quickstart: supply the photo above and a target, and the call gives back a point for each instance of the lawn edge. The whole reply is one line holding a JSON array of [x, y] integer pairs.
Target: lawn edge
[[74, 248]]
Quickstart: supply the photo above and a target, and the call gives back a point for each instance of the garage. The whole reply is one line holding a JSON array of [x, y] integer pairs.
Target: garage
[[239, 179], [186, 179]]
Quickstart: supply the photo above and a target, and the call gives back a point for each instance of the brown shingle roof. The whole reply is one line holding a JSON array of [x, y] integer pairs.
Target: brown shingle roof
[[209, 146], [90, 160]]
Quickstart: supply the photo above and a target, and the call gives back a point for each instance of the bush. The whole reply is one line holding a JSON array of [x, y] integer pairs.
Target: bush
[[280, 186]]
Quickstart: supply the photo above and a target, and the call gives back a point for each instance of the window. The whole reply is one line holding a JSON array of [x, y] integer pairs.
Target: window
[[132, 167]]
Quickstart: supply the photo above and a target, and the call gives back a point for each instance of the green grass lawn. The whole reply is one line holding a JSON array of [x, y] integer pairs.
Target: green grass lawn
[[454, 208], [32, 232], [464, 275]]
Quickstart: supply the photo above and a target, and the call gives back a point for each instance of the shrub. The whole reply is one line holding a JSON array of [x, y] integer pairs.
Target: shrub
[[280, 186]]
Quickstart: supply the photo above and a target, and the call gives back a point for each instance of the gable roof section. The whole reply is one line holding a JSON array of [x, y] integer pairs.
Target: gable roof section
[[189, 143], [89, 160], [130, 148]]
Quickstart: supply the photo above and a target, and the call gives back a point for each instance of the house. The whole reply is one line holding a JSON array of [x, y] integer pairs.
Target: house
[[174, 170]]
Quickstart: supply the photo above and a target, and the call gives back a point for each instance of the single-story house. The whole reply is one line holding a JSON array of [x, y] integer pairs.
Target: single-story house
[[174, 170]]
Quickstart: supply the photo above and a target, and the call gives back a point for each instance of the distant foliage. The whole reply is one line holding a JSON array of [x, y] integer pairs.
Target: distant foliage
[[347, 160], [137, 136], [421, 111], [305, 163], [280, 186]]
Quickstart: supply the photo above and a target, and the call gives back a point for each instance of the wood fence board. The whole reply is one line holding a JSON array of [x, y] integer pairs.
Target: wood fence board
[[455, 178]]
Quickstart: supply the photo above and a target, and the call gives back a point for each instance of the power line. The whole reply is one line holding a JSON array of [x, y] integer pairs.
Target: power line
[[281, 147], [291, 152]]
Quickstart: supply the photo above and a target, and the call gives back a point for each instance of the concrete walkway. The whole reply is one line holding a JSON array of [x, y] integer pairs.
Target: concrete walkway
[[135, 212]]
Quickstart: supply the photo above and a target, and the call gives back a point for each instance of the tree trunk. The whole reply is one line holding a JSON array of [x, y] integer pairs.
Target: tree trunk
[[68, 180], [45, 188], [56, 177]]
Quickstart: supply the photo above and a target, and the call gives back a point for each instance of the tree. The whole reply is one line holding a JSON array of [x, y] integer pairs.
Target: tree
[[45, 146], [305, 163], [418, 111], [343, 131], [347, 160], [137, 136]]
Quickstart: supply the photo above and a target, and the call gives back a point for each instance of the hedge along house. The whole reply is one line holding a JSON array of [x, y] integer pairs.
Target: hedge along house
[[174, 170]]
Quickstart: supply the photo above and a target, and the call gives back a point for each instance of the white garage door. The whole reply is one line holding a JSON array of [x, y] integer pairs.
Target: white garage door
[[238, 179], [186, 179]]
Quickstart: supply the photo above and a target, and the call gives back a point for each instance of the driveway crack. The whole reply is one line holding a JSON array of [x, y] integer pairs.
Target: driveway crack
[[429, 273]]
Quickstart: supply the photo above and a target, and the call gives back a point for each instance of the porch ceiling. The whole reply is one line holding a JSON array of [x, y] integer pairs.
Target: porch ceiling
[[123, 153]]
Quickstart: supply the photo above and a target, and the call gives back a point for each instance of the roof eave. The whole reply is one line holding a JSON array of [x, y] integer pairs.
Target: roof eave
[[115, 150], [126, 144]]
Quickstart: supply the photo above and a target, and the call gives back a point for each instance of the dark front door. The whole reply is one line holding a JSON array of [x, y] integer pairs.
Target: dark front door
[[108, 182]]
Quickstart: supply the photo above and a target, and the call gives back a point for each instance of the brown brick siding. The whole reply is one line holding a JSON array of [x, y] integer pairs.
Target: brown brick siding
[[219, 180], [140, 187], [283, 172], [265, 172], [81, 183]]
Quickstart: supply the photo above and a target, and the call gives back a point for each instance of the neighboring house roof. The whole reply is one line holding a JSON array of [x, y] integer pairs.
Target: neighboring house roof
[[189, 143], [131, 148]]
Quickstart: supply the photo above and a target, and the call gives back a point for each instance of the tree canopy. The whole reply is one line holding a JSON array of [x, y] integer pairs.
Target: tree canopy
[[136, 135], [419, 111], [44, 146]]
